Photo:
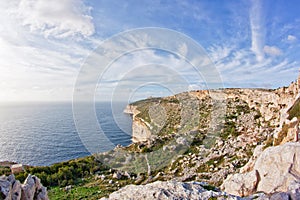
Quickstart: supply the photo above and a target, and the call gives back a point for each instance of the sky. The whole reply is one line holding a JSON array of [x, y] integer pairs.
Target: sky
[[44, 45]]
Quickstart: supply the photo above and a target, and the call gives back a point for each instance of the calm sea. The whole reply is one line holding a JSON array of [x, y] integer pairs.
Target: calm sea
[[45, 133]]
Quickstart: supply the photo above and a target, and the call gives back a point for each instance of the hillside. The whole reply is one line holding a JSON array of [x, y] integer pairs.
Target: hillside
[[204, 136]]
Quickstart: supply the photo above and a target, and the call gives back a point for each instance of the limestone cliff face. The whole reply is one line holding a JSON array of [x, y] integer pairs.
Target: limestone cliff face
[[132, 110], [140, 129], [271, 104]]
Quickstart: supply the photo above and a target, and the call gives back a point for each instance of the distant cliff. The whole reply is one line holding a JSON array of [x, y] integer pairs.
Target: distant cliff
[[219, 130], [157, 116]]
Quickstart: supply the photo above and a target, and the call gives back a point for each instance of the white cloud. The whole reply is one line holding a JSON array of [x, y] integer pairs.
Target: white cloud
[[218, 53], [272, 50], [257, 30], [291, 38], [33, 67], [57, 18]]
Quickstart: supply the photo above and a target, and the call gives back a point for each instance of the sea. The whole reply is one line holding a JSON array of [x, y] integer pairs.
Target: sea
[[41, 134]]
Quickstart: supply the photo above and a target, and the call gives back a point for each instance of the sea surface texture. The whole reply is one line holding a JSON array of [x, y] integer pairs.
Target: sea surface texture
[[45, 133]]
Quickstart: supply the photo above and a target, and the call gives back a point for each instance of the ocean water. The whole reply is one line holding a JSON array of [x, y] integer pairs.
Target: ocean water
[[45, 133]]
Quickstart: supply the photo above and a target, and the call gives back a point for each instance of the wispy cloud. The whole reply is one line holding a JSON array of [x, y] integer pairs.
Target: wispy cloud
[[56, 18], [41, 49], [291, 38], [272, 50], [44, 43], [257, 29]]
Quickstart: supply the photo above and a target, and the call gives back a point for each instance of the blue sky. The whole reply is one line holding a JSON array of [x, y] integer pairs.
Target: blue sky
[[43, 44]]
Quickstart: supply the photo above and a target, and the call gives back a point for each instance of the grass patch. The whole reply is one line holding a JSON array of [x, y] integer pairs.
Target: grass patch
[[78, 192], [281, 135], [294, 111]]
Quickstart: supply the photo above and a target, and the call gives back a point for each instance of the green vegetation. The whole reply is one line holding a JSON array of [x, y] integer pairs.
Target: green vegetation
[[295, 110], [188, 118], [5, 171], [78, 192], [269, 143], [65, 173], [281, 135]]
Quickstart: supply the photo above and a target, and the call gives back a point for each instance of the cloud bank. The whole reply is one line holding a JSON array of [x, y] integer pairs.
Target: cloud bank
[[56, 18]]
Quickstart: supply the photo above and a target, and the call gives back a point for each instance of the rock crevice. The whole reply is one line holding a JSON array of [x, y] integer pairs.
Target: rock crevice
[[12, 189]]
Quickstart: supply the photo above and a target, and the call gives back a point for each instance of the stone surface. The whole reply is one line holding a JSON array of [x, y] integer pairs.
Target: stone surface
[[276, 168], [32, 189], [167, 190], [241, 184], [193, 190], [250, 164], [140, 131], [10, 189], [294, 190]]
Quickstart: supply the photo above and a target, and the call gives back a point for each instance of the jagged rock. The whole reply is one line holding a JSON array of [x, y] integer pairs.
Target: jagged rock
[[294, 190], [280, 196], [250, 164], [16, 190], [5, 188], [33, 189], [10, 189], [167, 190], [292, 132], [276, 168], [241, 184]]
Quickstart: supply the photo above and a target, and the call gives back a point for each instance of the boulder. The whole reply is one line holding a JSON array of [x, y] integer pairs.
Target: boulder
[[32, 189], [168, 190], [250, 164], [241, 184], [273, 172], [278, 167], [10, 188]]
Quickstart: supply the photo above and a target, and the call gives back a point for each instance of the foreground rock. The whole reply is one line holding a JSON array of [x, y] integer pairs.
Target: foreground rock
[[193, 190], [277, 169], [167, 190], [12, 189]]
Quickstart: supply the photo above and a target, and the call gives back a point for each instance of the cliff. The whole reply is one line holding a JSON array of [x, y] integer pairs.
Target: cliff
[[208, 135], [184, 147], [154, 117]]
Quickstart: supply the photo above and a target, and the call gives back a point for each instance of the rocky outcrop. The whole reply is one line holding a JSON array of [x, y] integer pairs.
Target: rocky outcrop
[[192, 191], [12, 189], [167, 190], [272, 104], [274, 170], [140, 131], [132, 110], [242, 184]]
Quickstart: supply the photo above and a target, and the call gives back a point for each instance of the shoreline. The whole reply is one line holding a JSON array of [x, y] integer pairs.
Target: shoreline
[[7, 163]]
